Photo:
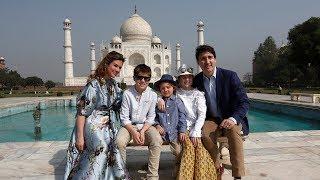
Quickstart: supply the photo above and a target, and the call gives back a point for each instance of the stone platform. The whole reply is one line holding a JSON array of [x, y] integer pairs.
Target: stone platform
[[268, 156], [273, 155]]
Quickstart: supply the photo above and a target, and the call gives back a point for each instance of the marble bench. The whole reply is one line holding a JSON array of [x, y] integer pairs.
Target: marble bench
[[297, 97], [222, 145]]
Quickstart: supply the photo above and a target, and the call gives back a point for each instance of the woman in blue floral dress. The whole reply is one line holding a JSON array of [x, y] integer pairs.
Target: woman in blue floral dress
[[92, 153]]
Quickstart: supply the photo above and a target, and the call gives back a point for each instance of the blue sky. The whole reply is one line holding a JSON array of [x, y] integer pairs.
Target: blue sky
[[31, 34]]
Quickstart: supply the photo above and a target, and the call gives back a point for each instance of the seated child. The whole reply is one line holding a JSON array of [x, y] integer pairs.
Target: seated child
[[171, 123], [196, 162]]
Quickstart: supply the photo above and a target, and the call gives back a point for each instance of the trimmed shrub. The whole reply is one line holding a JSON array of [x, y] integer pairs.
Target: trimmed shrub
[[2, 95], [59, 94]]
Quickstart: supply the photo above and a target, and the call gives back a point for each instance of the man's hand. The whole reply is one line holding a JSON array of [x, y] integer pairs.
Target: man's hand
[[142, 136], [195, 141], [160, 130], [80, 145], [227, 124], [136, 137], [182, 137]]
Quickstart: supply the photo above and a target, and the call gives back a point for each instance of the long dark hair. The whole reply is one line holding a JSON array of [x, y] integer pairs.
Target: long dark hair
[[101, 70]]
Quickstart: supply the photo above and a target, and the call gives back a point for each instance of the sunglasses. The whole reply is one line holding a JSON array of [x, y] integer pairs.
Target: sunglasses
[[183, 70], [146, 78]]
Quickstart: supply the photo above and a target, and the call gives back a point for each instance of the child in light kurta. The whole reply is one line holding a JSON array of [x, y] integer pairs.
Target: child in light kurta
[[196, 162]]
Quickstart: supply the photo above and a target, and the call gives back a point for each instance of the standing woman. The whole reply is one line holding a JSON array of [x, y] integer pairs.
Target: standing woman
[[196, 163], [92, 153]]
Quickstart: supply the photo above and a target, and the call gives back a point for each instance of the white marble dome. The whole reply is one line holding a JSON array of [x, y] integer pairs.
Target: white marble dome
[[136, 29], [156, 40], [116, 40]]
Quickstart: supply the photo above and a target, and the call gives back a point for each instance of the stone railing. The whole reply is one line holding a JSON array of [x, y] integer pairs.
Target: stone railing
[[315, 98]]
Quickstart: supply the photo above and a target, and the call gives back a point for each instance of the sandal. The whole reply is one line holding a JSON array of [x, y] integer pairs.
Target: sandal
[[220, 171]]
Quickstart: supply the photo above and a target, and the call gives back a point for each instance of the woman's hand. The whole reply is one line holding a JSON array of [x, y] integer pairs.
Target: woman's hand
[[160, 130], [182, 137], [80, 145], [105, 119], [195, 141]]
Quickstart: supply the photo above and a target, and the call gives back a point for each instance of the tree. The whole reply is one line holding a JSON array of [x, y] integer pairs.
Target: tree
[[247, 79], [50, 84], [304, 41], [10, 79], [265, 60], [3, 75], [33, 81], [282, 71]]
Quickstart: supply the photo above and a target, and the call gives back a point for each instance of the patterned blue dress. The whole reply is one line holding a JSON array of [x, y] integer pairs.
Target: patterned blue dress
[[101, 158]]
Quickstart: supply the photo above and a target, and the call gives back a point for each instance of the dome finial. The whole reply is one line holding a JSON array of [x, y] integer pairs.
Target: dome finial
[[135, 9]]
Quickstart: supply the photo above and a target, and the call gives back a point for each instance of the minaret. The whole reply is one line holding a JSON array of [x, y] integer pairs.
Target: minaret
[[178, 59], [200, 26], [92, 57], [68, 62], [2, 63], [200, 29]]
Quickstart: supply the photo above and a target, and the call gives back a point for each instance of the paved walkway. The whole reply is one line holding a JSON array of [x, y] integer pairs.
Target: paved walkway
[[305, 101], [13, 101], [272, 155]]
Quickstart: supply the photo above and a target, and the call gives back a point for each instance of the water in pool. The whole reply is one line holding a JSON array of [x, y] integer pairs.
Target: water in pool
[[57, 124]]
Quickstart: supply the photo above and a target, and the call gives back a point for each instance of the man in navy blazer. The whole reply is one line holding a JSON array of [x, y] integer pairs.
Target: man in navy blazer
[[227, 107]]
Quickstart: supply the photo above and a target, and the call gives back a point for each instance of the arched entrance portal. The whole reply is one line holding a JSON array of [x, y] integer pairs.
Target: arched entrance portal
[[136, 59]]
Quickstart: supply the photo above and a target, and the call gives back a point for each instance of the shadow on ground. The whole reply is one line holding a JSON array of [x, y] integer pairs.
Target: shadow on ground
[[58, 161], [137, 164]]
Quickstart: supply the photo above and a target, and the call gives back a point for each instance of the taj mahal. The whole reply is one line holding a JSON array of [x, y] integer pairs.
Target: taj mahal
[[138, 45]]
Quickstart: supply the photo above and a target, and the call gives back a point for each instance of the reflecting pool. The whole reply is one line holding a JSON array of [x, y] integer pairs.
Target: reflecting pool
[[57, 124]]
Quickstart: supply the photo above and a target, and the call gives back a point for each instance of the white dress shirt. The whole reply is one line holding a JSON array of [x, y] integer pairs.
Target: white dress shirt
[[138, 109]]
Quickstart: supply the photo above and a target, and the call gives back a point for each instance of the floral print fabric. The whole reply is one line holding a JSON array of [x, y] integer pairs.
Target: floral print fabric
[[101, 158]]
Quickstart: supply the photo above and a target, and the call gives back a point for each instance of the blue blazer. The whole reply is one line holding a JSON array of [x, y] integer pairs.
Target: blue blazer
[[232, 99]]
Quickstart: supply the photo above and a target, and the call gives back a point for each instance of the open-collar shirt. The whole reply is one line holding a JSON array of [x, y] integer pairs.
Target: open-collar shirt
[[136, 108], [173, 119], [208, 84]]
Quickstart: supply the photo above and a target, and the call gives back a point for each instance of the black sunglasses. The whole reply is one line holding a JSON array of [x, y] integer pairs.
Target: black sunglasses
[[146, 78]]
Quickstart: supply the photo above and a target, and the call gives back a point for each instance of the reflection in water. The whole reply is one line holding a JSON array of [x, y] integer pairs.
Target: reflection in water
[[37, 127]]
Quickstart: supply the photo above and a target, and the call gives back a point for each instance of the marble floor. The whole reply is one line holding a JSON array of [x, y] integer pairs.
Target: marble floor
[[268, 156], [272, 155]]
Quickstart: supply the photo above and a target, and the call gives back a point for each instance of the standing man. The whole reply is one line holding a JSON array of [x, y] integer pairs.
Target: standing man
[[227, 104], [137, 117]]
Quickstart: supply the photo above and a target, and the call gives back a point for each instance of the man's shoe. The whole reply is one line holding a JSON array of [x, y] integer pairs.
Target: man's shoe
[[235, 178]]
